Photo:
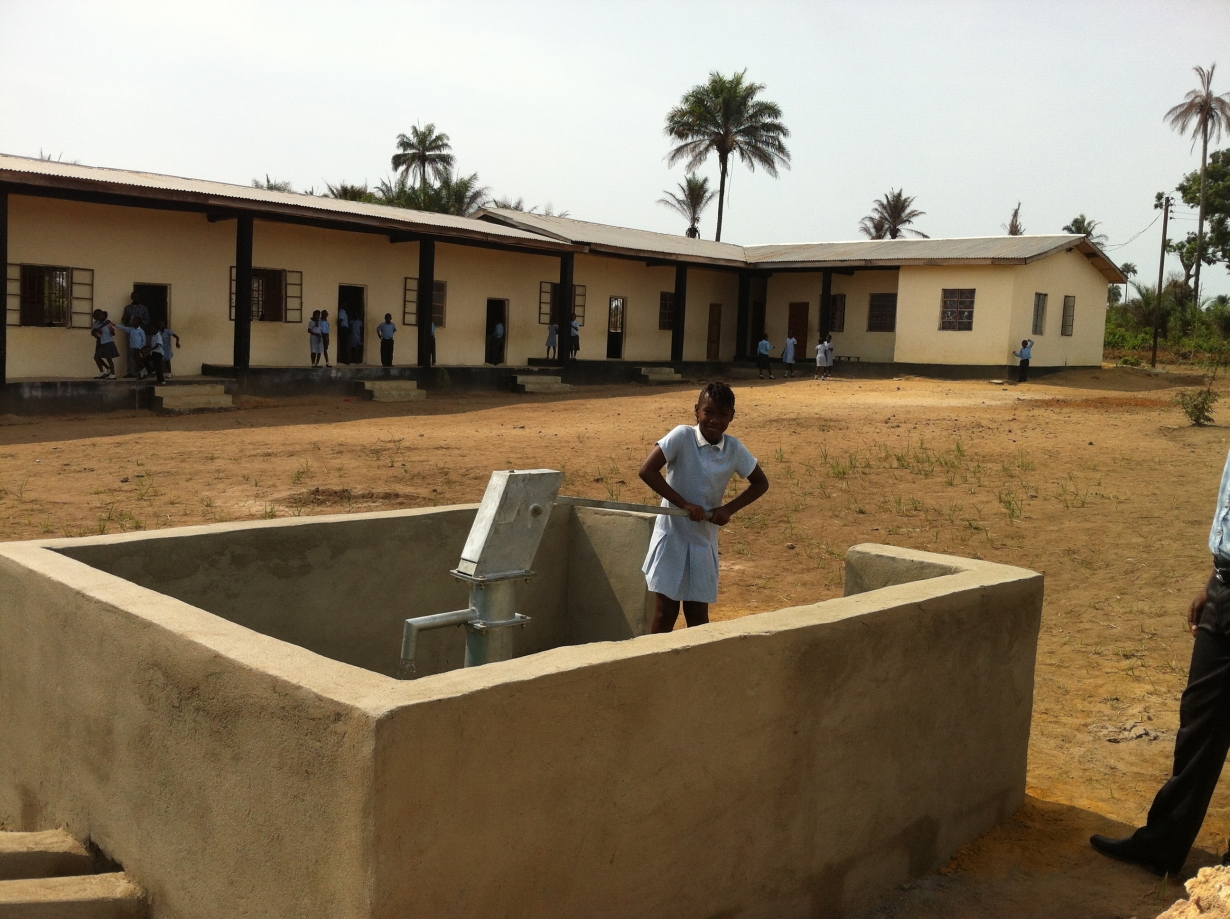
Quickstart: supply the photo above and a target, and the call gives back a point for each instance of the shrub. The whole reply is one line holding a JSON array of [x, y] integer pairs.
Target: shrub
[[1196, 404], [442, 379], [1129, 360]]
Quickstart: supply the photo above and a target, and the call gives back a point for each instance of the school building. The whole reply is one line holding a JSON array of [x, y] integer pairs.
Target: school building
[[237, 272]]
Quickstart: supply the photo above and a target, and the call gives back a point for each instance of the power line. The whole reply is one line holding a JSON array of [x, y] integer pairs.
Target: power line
[[1121, 245]]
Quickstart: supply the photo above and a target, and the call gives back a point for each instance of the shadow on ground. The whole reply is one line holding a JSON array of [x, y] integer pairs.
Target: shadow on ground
[[1039, 865]]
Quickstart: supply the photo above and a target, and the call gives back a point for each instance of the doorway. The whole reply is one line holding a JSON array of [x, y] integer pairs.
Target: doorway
[[497, 330], [353, 299], [713, 345], [796, 325], [157, 299], [615, 328]]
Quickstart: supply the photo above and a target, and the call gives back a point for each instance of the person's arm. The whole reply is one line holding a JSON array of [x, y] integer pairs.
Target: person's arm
[[651, 475], [757, 485], [176, 337], [1197, 607]]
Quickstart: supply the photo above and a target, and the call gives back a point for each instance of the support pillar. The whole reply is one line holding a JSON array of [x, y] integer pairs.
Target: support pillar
[[243, 293], [826, 304], [565, 302], [743, 319], [425, 308], [680, 312], [4, 262]]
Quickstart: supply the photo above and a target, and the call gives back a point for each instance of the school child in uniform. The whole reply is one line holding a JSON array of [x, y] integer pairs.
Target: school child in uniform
[[552, 340], [763, 350], [105, 351], [314, 337], [1027, 349], [160, 346], [788, 356], [167, 352], [138, 350], [325, 329], [385, 332], [682, 563], [824, 358]]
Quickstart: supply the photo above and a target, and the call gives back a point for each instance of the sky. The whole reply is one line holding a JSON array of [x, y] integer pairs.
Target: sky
[[968, 106]]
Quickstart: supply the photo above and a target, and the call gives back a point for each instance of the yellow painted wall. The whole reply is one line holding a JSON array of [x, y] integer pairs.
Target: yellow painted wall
[[1065, 273], [781, 291], [856, 341], [918, 315], [640, 286], [123, 245], [704, 288], [1003, 313]]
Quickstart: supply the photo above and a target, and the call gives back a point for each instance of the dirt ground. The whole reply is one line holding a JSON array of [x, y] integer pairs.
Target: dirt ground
[[1093, 477]]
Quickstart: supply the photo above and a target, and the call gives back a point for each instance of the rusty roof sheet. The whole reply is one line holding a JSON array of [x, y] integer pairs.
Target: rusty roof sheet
[[21, 170]]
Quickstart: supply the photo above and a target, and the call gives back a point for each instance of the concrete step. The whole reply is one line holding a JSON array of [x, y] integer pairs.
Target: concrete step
[[659, 375], [393, 390], [91, 896], [191, 389], [540, 383], [42, 855], [192, 402]]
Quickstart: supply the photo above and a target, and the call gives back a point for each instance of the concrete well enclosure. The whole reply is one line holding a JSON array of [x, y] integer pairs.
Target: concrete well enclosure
[[218, 709]]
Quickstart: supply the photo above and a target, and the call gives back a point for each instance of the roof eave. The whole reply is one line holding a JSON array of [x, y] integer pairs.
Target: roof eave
[[207, 202]]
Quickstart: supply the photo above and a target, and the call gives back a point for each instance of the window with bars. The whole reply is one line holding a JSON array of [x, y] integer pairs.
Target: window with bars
[[957, 309], [837, 313], [546, 297], [882, 313], [1069, 315], [410, 303], [277, 295], [52, 296], [666, 311], [1039, 314]]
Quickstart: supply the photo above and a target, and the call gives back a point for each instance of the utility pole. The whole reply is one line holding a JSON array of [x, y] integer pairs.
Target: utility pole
[[1165, 204]]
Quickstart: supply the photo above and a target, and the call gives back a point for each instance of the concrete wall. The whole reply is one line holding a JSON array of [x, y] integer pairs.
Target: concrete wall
[[918, 315], [1065, 273], [784, 289], [856, 341], [342, 587], [792, 763], [704, 288], [641, 287]]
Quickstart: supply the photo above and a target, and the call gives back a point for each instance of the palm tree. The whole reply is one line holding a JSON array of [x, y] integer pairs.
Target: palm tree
[[1129, 272], [424, 151], [519, 205], [1013, 226], [347, 192], [1205, 114], [694, 196], [725, 116], [273, 184], [1084, 226], [460, 196], [891, 216]]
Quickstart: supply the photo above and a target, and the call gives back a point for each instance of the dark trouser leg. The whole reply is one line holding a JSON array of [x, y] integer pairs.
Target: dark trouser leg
[[1203, 741], [386, 352], [155, 360], [433, 350], [1024, 371]]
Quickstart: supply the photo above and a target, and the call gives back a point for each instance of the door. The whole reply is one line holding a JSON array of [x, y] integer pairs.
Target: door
[[796, 325], [497, 330], [353, 299], [615, 328], [157, 299], [713, 345]]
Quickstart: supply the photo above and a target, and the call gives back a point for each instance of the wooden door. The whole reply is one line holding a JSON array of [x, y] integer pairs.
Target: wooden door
[[797, 325], [713, 345]]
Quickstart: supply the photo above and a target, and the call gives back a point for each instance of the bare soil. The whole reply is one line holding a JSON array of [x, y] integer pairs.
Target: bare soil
[[1093, 477]]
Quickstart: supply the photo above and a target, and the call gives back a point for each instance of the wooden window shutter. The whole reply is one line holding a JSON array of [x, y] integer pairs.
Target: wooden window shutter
[[410, 302], [82, 302], [294, 296], [12, 295]]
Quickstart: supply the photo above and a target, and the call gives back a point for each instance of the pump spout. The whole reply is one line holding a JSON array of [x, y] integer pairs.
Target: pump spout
[[410, 634]]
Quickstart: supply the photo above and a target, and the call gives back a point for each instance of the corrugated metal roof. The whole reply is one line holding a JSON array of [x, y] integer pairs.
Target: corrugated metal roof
[[869, 253], [24, 170], [622, 238]]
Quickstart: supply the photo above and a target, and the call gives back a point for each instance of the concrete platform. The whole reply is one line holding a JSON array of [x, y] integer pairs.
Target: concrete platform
[[393, 390], [178, 398], [42, 855], [540, 383], [94, 896]]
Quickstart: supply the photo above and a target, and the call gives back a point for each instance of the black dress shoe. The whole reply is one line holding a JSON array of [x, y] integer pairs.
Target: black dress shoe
[[1129, 850]]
